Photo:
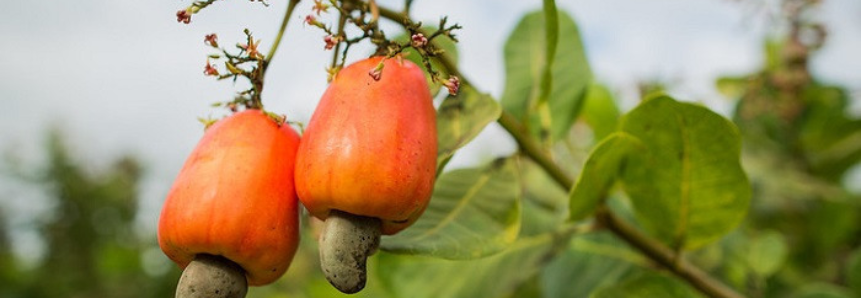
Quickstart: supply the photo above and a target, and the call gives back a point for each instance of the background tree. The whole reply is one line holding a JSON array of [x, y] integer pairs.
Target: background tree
[[92, 246], [800, 142]]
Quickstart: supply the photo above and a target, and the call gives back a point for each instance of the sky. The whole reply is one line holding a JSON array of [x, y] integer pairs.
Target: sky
[[123, 77]]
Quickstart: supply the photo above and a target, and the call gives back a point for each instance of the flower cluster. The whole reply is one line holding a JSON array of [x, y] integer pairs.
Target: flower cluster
[[364, 16], [248, 63]]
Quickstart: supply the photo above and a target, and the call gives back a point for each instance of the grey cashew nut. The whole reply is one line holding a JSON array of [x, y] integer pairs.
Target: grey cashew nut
[[345, 244], [209, 276]]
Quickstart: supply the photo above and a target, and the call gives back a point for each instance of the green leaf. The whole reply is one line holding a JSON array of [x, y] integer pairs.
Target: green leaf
[[494, 276], [444, 43], [599, 173], [460, 119], [525, 61], [600, 112], [648, 285], [544, 201], [766, 253], [473, 213], [591, 261], [687, 186]]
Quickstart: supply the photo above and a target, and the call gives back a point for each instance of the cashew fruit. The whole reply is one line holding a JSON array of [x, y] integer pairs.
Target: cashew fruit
[[234, 199]]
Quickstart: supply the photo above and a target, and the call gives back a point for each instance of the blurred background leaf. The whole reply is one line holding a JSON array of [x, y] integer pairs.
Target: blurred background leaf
[[600, 111], [525, 53]]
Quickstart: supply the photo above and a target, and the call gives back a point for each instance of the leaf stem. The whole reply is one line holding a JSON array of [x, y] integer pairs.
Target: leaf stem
[[263, 65], [290, 6], [649, 247], [532, 149], [342, 21]]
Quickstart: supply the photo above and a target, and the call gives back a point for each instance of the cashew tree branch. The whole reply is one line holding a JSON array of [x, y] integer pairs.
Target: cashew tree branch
[[656, 251]]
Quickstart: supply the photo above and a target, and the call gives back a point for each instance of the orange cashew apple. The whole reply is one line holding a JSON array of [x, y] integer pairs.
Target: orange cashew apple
[[367, 161], [231, 215]]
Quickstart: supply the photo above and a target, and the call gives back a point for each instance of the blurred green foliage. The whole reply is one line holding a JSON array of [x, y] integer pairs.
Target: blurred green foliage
[[802, 234], [95, 249], [92, 248]]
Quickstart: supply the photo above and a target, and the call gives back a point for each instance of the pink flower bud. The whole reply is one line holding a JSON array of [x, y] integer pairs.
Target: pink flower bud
[[183, 16], [210, 70], [419, 40], [331, 41], [211, 40], [452, 84], [310, 20], [376, 74]]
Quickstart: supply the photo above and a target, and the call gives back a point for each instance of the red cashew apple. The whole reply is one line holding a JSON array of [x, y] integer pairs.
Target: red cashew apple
[[231, 215], [367, 161]]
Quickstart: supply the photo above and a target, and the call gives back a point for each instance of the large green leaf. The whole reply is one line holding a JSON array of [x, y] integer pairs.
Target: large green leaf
[[460, 119], [687, 185], [473, 213], [648, 285], [443, 43], [544, 201], [494, 276], [599, 173], [591, 261], [525, 61]]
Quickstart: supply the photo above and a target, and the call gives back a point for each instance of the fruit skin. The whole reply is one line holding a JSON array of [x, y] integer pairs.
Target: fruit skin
[[235, 197], [370, 147]]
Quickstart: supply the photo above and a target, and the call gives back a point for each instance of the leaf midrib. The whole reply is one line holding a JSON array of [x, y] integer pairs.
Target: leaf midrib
[[684, 181]]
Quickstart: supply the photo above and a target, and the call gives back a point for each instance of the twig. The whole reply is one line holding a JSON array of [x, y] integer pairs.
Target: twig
[[290, 7], [664, 256]]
